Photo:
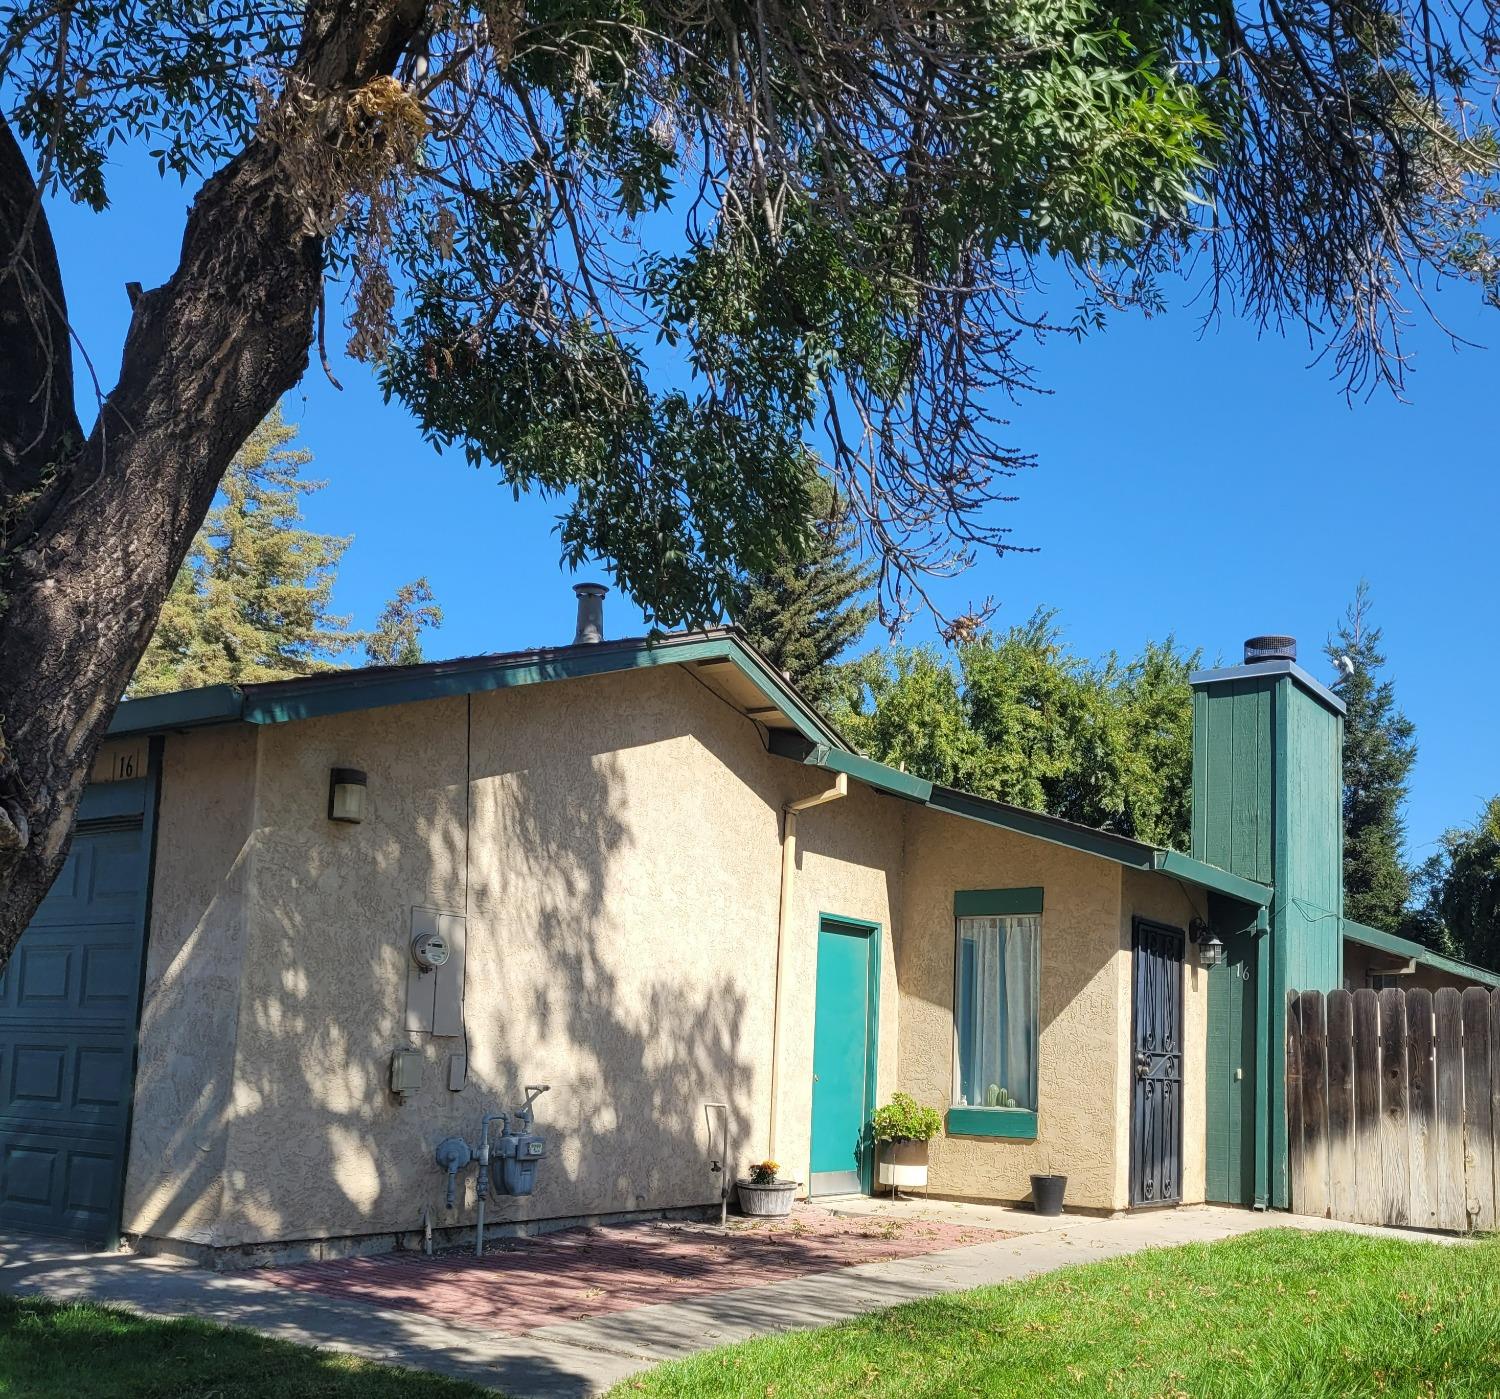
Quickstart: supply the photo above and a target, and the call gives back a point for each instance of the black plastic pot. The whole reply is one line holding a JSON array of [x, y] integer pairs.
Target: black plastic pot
[[1047, 1193]]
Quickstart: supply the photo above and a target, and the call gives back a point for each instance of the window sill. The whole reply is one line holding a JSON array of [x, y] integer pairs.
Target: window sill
[[1019, 1124]]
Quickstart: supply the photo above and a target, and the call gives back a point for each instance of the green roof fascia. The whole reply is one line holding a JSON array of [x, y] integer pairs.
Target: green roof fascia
[[1206, 876], [340, 692], [1108, 846], [181, 709], [1405, 947], [1105, 844], [871, 773]]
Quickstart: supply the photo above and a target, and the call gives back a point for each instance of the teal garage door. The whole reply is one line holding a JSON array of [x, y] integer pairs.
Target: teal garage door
[[68, 1006], [843, 1057]]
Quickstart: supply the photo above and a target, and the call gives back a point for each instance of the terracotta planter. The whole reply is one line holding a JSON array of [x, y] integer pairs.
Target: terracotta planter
[[903, 1164], [772, 1201]]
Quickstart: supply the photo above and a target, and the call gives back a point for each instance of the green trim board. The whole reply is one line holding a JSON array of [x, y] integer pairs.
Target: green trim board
[[1018, 1124], [284, 701], [996, 903], [1366, 936]]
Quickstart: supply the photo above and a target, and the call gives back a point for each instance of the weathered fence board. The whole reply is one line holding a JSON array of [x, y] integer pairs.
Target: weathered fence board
[[1452, 1210], [1479, 1148], [1367, 1205], [1341, 1167], [1395, 1154], [1393, 1106], [1421, 1103]]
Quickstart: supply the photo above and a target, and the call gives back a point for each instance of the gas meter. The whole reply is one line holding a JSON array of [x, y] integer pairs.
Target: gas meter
[[429, 950]]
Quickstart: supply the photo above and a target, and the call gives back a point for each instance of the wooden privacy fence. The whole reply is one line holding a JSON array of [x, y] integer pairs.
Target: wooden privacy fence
[[1393, 1106]]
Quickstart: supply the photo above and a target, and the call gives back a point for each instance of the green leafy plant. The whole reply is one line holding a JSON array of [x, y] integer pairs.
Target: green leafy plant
[[905, 1119], [764, 1172]]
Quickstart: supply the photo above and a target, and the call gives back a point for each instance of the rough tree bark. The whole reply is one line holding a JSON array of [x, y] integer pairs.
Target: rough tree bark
[[93, 530]]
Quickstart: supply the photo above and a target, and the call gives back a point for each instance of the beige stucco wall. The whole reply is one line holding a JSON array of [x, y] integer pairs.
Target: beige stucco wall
[[1085, 992], [616, 845], [195, 957], [1165, 901]]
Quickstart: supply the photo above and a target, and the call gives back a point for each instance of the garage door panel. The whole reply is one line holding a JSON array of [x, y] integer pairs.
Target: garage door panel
[[68, 1005]]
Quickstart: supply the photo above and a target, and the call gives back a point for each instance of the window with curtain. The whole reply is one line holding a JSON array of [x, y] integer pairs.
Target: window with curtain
[[998, 967]]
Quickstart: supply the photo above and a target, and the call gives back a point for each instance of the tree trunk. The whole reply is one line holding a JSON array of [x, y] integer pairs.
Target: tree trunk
[[95, 531]]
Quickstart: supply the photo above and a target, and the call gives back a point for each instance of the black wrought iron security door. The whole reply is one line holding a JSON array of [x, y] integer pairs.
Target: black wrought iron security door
[[1156, 1102]]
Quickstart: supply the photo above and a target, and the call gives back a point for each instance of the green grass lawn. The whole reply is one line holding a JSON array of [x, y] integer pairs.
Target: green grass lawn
[[1271, 1313], [53, 1351]]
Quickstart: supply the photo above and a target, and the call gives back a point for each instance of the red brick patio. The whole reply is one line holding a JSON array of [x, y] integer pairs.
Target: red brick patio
[[521, 1284]]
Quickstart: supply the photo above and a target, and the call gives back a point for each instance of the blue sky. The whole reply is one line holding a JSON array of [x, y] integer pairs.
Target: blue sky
[[1205, 486]]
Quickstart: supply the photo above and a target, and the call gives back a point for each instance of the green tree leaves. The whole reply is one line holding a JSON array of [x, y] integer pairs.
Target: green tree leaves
[[1379, 751], [1024, 720]]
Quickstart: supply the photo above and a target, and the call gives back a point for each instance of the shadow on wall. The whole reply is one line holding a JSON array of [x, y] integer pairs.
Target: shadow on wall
[[587, 969]]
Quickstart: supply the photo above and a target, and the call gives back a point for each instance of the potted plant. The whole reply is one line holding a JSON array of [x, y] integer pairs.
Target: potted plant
[[902, 1129], [763, 1195]]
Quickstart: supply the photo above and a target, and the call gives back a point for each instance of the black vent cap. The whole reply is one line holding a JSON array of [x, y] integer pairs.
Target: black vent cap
[[1270, 648]]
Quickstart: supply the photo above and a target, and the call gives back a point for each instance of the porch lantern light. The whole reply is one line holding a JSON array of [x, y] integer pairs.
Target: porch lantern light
[[346, 795], [1210, 948]]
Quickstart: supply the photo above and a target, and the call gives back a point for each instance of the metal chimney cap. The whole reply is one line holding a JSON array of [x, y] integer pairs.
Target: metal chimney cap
[[1270, 648], [590, 613]]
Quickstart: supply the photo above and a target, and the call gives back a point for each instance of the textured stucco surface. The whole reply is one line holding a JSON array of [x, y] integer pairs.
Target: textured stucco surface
[[615, 843], [1085, 1001], [194, 961]]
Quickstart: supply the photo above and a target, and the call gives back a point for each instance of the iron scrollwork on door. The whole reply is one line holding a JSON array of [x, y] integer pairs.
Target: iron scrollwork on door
[[1156, 1116]]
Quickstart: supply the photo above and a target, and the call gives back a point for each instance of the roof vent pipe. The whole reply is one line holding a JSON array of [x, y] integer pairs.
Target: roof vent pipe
[[590, 613], [1270, 648]]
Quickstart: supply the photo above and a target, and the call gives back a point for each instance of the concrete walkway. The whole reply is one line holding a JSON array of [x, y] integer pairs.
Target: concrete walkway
[[574, 1359]]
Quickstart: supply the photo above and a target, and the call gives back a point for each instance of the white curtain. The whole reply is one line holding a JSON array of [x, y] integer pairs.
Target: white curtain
[[999, 964]]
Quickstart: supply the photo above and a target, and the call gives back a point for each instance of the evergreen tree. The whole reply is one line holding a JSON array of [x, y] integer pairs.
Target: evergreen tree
[[805, 613], [1023, 719], [396, 639], [252, 601], [1458, 908], [1379, 750]]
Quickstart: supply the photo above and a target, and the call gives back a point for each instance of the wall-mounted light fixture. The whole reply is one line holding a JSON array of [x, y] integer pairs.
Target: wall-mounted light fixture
[[346, 795], [1210, 949]]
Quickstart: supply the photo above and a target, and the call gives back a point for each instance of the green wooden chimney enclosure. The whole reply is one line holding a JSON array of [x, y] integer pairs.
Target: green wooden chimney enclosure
[[1267, 804]]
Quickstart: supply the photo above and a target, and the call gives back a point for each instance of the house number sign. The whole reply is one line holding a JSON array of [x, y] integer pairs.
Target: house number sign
[[119, 762]]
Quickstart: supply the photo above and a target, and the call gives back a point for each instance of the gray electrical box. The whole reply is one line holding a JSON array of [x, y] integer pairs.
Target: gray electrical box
[[406, 1072], [435, 972]]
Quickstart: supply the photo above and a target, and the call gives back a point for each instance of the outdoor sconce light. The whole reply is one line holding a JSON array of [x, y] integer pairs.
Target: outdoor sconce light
[[1210, 949], [346, 795]]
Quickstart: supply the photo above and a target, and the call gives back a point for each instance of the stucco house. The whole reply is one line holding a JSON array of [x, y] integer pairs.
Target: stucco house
[[664, 886]]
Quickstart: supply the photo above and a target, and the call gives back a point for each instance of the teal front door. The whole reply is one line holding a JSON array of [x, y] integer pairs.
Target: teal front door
[[843, 1089]]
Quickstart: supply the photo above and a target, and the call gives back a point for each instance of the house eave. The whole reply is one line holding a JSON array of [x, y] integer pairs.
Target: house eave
[[1380, 941]]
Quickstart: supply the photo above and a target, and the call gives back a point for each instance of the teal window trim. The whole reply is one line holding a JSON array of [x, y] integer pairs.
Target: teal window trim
[[996, 903], [1018, 1124], [872, 1038]]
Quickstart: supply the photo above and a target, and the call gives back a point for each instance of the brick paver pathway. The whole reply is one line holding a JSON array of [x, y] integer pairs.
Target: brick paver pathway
[[521, 1284]]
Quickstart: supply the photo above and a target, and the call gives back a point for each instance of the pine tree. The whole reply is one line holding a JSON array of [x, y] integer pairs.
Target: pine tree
[[252, 601], [1458, 908], [396, 639], [803, 614], [1379, 750]]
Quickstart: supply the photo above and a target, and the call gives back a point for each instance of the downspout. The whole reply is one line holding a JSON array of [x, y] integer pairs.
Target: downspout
[[783, 914]]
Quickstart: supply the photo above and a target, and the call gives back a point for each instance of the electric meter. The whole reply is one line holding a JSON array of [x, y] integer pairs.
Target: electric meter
[[429, 951]]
